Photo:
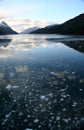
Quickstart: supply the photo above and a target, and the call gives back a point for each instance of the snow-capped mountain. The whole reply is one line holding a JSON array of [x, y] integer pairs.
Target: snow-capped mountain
[[29, 30], [6, 29]]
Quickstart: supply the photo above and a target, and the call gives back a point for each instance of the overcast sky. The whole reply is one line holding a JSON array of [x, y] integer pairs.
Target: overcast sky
[[22, 14]]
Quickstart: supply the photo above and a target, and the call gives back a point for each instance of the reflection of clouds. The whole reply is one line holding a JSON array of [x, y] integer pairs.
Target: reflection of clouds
[[21, 69], [58, 74], [21, 24], [63, 75], [5, 53], [22, 43], [1, 75], [81, 81]]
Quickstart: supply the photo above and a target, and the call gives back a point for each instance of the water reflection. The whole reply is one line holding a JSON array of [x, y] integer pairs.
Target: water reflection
[[21, 69], [4, 42], [41, 84], [75, 43]]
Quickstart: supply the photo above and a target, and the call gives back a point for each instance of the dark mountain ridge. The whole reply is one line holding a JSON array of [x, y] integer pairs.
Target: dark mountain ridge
[[73, 26]]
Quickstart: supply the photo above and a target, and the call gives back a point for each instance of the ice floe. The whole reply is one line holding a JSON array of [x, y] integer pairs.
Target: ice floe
[[43, 97], [9, 87], [57, 118], [28, 129], [36, 121]]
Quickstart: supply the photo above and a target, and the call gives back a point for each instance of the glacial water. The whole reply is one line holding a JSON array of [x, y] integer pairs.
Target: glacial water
[[41, 82]]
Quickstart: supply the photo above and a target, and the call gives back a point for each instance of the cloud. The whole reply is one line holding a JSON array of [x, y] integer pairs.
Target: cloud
[[4, 14], [20, 24]]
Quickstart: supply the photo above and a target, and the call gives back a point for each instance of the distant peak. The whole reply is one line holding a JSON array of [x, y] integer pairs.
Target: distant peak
[[4, 23]]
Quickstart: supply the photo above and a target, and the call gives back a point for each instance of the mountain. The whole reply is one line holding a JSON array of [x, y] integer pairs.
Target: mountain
[[50, 26], [5, 29], [73, 26], [29, 30]]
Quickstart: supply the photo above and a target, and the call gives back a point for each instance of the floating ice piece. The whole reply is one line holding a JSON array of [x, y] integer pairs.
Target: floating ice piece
[[20, 113], [9, 87], [42, 97], [8, 115], [66, 120], [65, 88], [73, 72], [61, 99], [28, 129], [14, 87], [36, 121], [64, 96], [11, 74], [28, 116], [80, 89], [74, 104], [64, 109], [50, 94], [57, 118], [64, 79]]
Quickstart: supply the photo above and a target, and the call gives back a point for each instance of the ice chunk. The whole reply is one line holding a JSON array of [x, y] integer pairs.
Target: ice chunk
[[66, 120], [42, 97], [64, 109], [80, 89], [11, 74], [58, 118], [50, 94], [61, 99], [14, 87], [74, 104], [20, 113], [9, 86], [73, 72], [8, 115], [36, 121]]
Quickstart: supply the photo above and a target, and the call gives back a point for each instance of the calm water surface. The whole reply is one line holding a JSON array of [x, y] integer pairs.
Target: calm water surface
[[41, 82]]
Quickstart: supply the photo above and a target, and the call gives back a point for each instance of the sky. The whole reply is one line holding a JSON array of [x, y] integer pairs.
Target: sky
[[23, 14]]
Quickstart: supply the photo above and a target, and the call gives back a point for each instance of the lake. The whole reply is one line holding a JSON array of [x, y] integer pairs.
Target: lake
[[41, 82]]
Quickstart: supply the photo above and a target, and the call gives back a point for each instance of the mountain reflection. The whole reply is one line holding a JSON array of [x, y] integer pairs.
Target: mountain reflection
[[4, 42], [20, 44], [75, 43]]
